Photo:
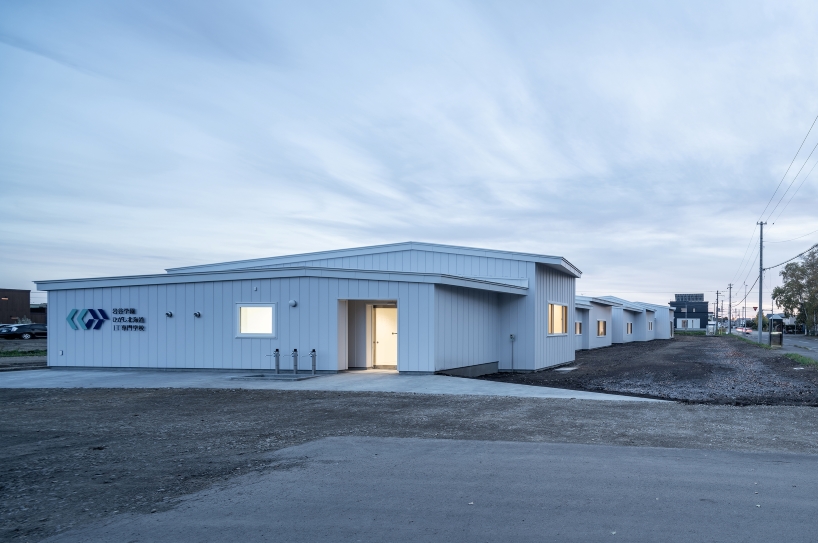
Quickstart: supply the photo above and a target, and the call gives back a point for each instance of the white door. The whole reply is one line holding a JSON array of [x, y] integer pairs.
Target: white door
[[386, 336]]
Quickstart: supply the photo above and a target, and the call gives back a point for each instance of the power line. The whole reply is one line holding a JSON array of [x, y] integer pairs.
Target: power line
[[793, 258], [794, 193], [793, 239], [788, 168], [740, 266], [793, 181]]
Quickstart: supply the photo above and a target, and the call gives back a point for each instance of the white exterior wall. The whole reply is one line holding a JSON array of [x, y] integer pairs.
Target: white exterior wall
[[184, 341], [600, 312], [664, 319], [581, 341], [466, 327], [620, 318], [558, 288]]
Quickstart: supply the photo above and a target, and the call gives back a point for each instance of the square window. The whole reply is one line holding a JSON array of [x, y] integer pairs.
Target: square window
[[557, 319], [255, 320]]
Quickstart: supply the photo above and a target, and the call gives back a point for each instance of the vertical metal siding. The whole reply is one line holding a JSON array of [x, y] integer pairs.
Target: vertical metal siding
[[552, 287], [466, 327]]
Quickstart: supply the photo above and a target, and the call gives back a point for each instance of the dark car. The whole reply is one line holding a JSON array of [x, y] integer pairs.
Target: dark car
[[23, 331]]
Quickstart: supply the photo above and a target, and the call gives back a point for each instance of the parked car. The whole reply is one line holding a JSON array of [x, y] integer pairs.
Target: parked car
[[23, 331]]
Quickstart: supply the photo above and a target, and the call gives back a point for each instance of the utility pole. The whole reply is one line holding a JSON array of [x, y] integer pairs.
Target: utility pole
[[730, 314], [716, 313], [760, 315]]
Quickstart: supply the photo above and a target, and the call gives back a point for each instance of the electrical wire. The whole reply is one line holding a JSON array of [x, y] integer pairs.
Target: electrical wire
[[793, 258], [788, 168], [793, 181], [793, 239], [740, 266], [794, 193]]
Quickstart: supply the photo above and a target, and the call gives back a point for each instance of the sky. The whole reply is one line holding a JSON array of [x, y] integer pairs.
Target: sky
[[639, 140]]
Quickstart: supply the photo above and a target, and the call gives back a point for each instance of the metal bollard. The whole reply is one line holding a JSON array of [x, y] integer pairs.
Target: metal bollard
[[277, 356], [313, 355], [295, 361]]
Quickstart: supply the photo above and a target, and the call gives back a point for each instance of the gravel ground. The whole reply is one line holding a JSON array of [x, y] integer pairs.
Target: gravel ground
[[74, 456], [696, 369]]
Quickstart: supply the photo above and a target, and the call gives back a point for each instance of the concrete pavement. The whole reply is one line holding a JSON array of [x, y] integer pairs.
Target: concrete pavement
[[353, 381], [386, 489]]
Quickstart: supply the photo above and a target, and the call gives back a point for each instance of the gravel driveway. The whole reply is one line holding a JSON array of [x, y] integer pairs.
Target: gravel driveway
[[697, 369]]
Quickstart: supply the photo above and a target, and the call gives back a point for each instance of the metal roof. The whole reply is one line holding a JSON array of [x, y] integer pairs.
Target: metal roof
[[505, 285], [625, 304], [557, 262], [584, 302]]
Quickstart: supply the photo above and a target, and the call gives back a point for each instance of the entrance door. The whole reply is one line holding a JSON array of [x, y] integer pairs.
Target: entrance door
[[386, 337]]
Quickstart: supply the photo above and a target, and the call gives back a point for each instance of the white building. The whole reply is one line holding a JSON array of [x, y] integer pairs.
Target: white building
[[416, 307], [592, 326], [639, 321]]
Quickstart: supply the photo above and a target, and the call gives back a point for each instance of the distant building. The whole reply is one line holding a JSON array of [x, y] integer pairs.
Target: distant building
[[690, 311], [39, 313], [14, 305]]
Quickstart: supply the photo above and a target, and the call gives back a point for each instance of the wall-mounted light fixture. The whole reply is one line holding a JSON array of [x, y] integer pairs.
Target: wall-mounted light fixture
[[293, 303], [168, 313], [197, 314]]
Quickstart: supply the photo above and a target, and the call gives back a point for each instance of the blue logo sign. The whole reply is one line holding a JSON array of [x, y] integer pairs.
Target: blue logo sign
[[80, 317]]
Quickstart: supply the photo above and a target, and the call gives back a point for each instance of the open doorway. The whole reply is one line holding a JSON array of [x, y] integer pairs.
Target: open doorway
[[385, 324], [371, 331]]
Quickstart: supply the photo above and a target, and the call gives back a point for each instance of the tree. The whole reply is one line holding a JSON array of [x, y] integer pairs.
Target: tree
[[798, 294]]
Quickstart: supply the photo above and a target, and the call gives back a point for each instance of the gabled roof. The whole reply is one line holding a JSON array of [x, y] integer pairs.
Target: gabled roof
[[556, 262], [654, 307], [584, 302], [625, 304]]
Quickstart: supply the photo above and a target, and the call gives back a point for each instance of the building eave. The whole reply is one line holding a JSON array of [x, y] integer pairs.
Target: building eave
[[509, 286]]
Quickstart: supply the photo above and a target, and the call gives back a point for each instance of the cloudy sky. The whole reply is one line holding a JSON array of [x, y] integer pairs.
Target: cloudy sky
[[639, 140]]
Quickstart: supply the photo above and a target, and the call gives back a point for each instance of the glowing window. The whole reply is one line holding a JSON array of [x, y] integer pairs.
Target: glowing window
[[601, 328], [256, 320], [557, 319]]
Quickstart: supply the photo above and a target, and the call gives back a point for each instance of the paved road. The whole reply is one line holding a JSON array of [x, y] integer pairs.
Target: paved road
[[354, 381], [377, 489], [793, 343]]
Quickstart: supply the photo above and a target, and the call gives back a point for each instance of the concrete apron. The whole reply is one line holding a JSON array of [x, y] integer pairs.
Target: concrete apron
[[359, 381]]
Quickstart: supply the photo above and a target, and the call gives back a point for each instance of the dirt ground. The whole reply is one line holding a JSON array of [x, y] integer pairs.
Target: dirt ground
[[73, 456], [697, 369]]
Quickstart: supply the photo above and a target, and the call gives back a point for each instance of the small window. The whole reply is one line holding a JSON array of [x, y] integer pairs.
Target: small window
[[601, 328], [650, 325], [557, 319], [578, 328], [256, 320], [694, 310], [629, 328]]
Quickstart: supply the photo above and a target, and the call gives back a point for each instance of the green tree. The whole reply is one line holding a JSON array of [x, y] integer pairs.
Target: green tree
[[798, 294]]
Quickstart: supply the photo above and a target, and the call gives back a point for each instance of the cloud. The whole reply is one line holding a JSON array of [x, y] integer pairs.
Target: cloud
[[639, 141]]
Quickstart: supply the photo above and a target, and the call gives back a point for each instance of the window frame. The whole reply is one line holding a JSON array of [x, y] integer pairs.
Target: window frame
[[650, 326], [604, 324], [577, 328], [628, 328], [237, 317], [551, 320]]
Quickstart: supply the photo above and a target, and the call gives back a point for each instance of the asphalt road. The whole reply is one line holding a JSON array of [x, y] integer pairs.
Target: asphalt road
[[793, 343], [387, 489]]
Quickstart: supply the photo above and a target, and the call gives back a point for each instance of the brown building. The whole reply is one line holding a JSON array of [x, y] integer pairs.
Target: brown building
[[14, 305]]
